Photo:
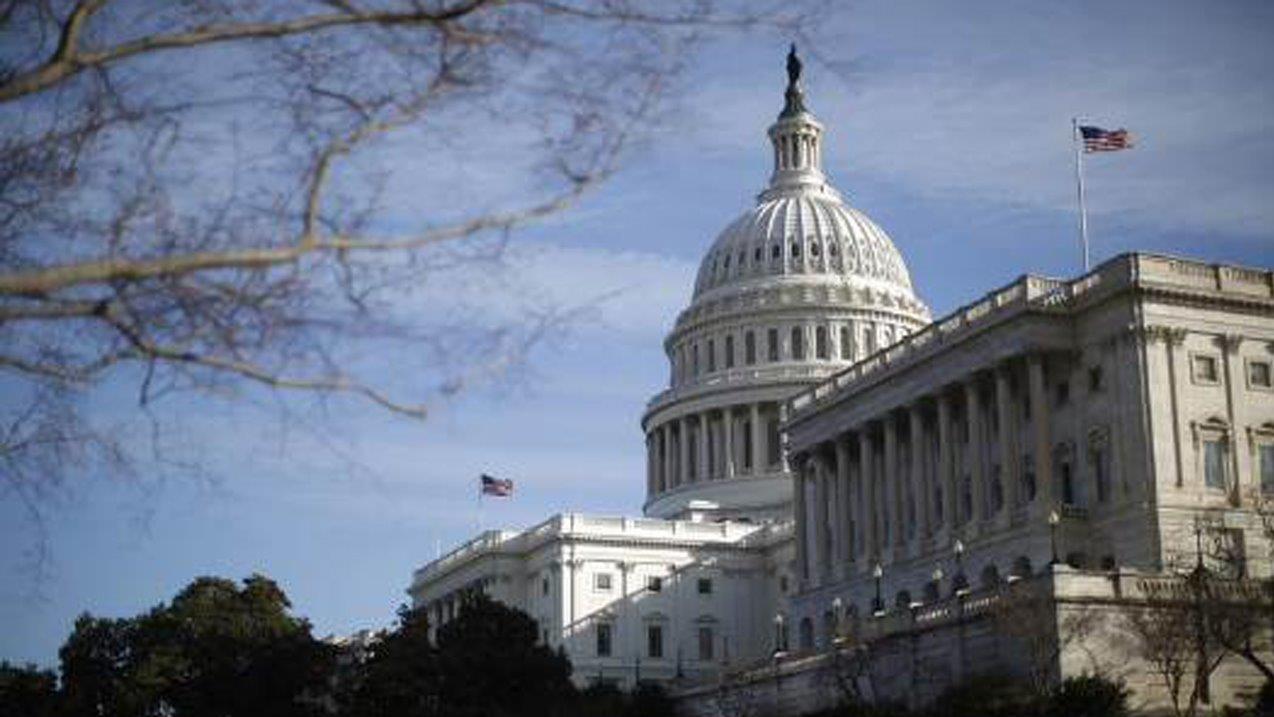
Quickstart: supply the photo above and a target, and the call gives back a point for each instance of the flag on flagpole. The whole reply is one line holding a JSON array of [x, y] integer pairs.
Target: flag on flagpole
[[1097, 139], [497, 487]]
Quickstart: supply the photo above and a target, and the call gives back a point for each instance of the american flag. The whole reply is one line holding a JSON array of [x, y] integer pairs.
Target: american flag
[[496, 486], [1097, 139]]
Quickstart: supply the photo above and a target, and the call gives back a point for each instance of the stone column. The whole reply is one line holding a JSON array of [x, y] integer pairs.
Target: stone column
[[893, 489], [666, 436], [704, 437], [818, 545], [946, 471], [977, 444], [1233, 373], [727, 429], [650, 465], [1008, 441], [920, 494], [758, 458], [763, 439], [1041, 441], [871, 509], [844, 523], [683, 470], [802, 527]]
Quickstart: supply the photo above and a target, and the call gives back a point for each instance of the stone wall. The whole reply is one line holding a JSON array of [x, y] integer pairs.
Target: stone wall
[[912, 656]]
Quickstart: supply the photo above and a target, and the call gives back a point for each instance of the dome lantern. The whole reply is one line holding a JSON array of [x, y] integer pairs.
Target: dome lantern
[[797, 138]]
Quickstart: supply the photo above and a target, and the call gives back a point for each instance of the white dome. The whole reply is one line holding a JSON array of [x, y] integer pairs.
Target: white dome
[[803, 234]]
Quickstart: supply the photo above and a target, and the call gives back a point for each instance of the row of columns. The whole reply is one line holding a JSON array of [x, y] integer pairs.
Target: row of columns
[[669, 462], [859, 496]]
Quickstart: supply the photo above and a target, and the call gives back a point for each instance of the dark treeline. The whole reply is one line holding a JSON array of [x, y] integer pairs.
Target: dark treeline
[[222, 649]]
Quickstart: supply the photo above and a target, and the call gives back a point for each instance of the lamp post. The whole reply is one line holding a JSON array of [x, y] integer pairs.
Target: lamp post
[[960, 581], [837, 608], [878, 607], [937, 582], [778, 635], [1054, 518]]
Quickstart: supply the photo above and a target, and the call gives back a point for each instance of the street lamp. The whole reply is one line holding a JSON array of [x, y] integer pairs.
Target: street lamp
[[837, 608], [937, 583], [1053, 519], [778, 635], [879, 605], [960, 581]]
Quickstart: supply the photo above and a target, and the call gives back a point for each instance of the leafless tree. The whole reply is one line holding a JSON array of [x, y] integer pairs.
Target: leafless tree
[[208, 195], [1031, 617]]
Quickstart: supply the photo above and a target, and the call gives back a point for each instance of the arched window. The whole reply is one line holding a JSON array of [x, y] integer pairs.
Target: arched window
[[796, 250], [776, 251], [712, 355], [821, 349], [798, 343], [772, 341], [807, 634], [846, 344], [749, 348], [757, 255], [932, 591], [694, 359], [1022, 567], [729, 351]]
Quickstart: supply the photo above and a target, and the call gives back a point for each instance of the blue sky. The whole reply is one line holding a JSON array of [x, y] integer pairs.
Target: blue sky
[[948, 123]]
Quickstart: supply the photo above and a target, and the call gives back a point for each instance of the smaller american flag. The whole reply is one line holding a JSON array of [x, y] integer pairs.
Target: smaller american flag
[[497, 487], [1097, 139]]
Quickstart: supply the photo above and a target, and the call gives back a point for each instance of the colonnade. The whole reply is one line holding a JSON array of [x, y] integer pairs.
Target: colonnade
[[966, 460], [719, 443]]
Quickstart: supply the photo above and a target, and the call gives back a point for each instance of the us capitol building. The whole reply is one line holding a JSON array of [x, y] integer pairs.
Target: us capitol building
[[829, 460]]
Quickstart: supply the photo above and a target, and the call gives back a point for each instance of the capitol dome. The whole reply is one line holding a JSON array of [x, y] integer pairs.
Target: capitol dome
[[809, 235], [799, 287]]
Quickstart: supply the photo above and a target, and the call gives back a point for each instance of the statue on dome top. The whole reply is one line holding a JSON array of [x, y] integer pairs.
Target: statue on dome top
[[794, 103], [793, 66]]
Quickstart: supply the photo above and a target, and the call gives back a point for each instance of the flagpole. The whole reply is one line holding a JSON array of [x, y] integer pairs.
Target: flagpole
[[1079, 187], [479, 506]]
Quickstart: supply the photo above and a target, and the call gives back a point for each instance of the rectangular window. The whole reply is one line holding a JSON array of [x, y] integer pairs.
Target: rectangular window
[[712, 355], [1100, 475], [603, 639], [705, 586], [1214, 464], [694, 360], [654, 583], [729, 352], [749, 348], [1062, 394], [772, 344], [798, 344], [1068, 483], [1266, 459], [601, 582], [1205, 369], [654, 641], [846, 348], [705, 643], [1258, 374], [821, 349]]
